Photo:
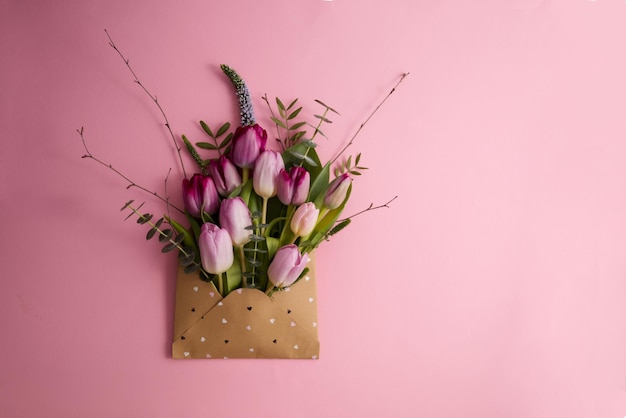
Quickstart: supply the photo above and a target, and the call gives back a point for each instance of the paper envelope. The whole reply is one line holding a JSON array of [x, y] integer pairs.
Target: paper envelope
[[246, 323]]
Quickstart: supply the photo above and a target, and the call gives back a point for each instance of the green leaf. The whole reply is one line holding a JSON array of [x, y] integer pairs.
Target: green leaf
[[168, 247], [292, 104], [207, 129], [226, 141], [293, 114], [323, 118], [191, 268], [166, 235], [205, 145], [280, 104], [297, 126], [150, 234], [327, 107], [341, 225], [127, 204], [222, 129], [279, 122]]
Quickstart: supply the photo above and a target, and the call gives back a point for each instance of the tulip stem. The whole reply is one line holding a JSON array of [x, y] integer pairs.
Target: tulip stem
[[264, 215], [220, 283], [242, 261]]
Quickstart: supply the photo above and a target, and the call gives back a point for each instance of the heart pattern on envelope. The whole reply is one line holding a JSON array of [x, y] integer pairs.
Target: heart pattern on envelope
[[246, 323]]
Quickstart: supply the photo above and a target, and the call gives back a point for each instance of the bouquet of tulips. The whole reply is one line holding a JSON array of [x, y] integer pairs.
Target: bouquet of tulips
[[255, 214]]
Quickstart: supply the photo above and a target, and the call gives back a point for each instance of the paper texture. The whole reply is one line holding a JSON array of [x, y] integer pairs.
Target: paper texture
[[246, 323]]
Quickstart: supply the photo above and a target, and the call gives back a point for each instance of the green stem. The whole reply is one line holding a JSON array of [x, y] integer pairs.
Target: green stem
[[245, 174], [242, 261], [220, 284], [264, 214]]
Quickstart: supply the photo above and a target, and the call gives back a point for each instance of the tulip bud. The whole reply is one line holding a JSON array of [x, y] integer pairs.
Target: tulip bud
[[225, 175], [293, 186], [266, 169], [287, 265], [337, 191], [304, 219], [216, 248], [248, 143], [234, 218], [199, 194]]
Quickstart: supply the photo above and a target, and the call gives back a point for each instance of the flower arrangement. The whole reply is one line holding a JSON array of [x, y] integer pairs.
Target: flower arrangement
[[253, 213]]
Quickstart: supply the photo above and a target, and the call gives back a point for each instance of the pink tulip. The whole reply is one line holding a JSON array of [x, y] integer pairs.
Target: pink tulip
[[337, 191], [287, 266], [304, 219], [293, 186], [248, 143], [234, 218], [225, 175], [216, 248], [199, 194], [265, 175]]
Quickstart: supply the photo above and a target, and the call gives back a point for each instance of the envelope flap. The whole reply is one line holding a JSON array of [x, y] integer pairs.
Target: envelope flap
[[249, 324], [194, 297]]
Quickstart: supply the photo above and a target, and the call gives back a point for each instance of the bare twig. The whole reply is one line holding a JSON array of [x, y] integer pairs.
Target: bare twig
[[369, 117], [154, 99], [369, 208], [131, 183]]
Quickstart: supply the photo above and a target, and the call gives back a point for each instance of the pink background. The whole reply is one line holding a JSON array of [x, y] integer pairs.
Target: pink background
[[493, 287]]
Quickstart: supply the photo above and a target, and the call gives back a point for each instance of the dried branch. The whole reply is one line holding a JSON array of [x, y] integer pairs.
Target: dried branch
[[369, 208], [154, 99], [131, 183], [368, 118]]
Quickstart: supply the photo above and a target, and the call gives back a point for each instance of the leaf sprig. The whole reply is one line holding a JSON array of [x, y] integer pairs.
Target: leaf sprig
[[171, 239]]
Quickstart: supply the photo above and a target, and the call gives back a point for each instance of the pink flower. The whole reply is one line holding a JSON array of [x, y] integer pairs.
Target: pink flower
[[337, 191], [287, 266], [304, 219], [248, 143], [199, 194], [293, 186], [225, 175], [234, 218], [216, 248], [265, 175]]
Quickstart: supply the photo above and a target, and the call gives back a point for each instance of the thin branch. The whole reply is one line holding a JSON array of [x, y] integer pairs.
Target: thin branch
[[369, 117], [369, 208], [154, 99], [131, 183], [279, 139]]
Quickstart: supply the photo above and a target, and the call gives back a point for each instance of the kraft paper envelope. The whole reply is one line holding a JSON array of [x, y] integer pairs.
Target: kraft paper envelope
[[246, 323]]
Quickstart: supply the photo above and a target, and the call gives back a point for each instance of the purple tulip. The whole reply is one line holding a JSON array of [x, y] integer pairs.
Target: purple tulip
[[265, 175], [216, 248], [287, 266], [337, 191], [293, 186], [234, 218], [225, 175], [199, 194], [248, 143], [304, 219]]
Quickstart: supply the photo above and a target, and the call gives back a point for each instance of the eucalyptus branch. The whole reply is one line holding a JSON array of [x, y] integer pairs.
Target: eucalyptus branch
[[152, 97], [369, 208], [131, 183], [368, 118]]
